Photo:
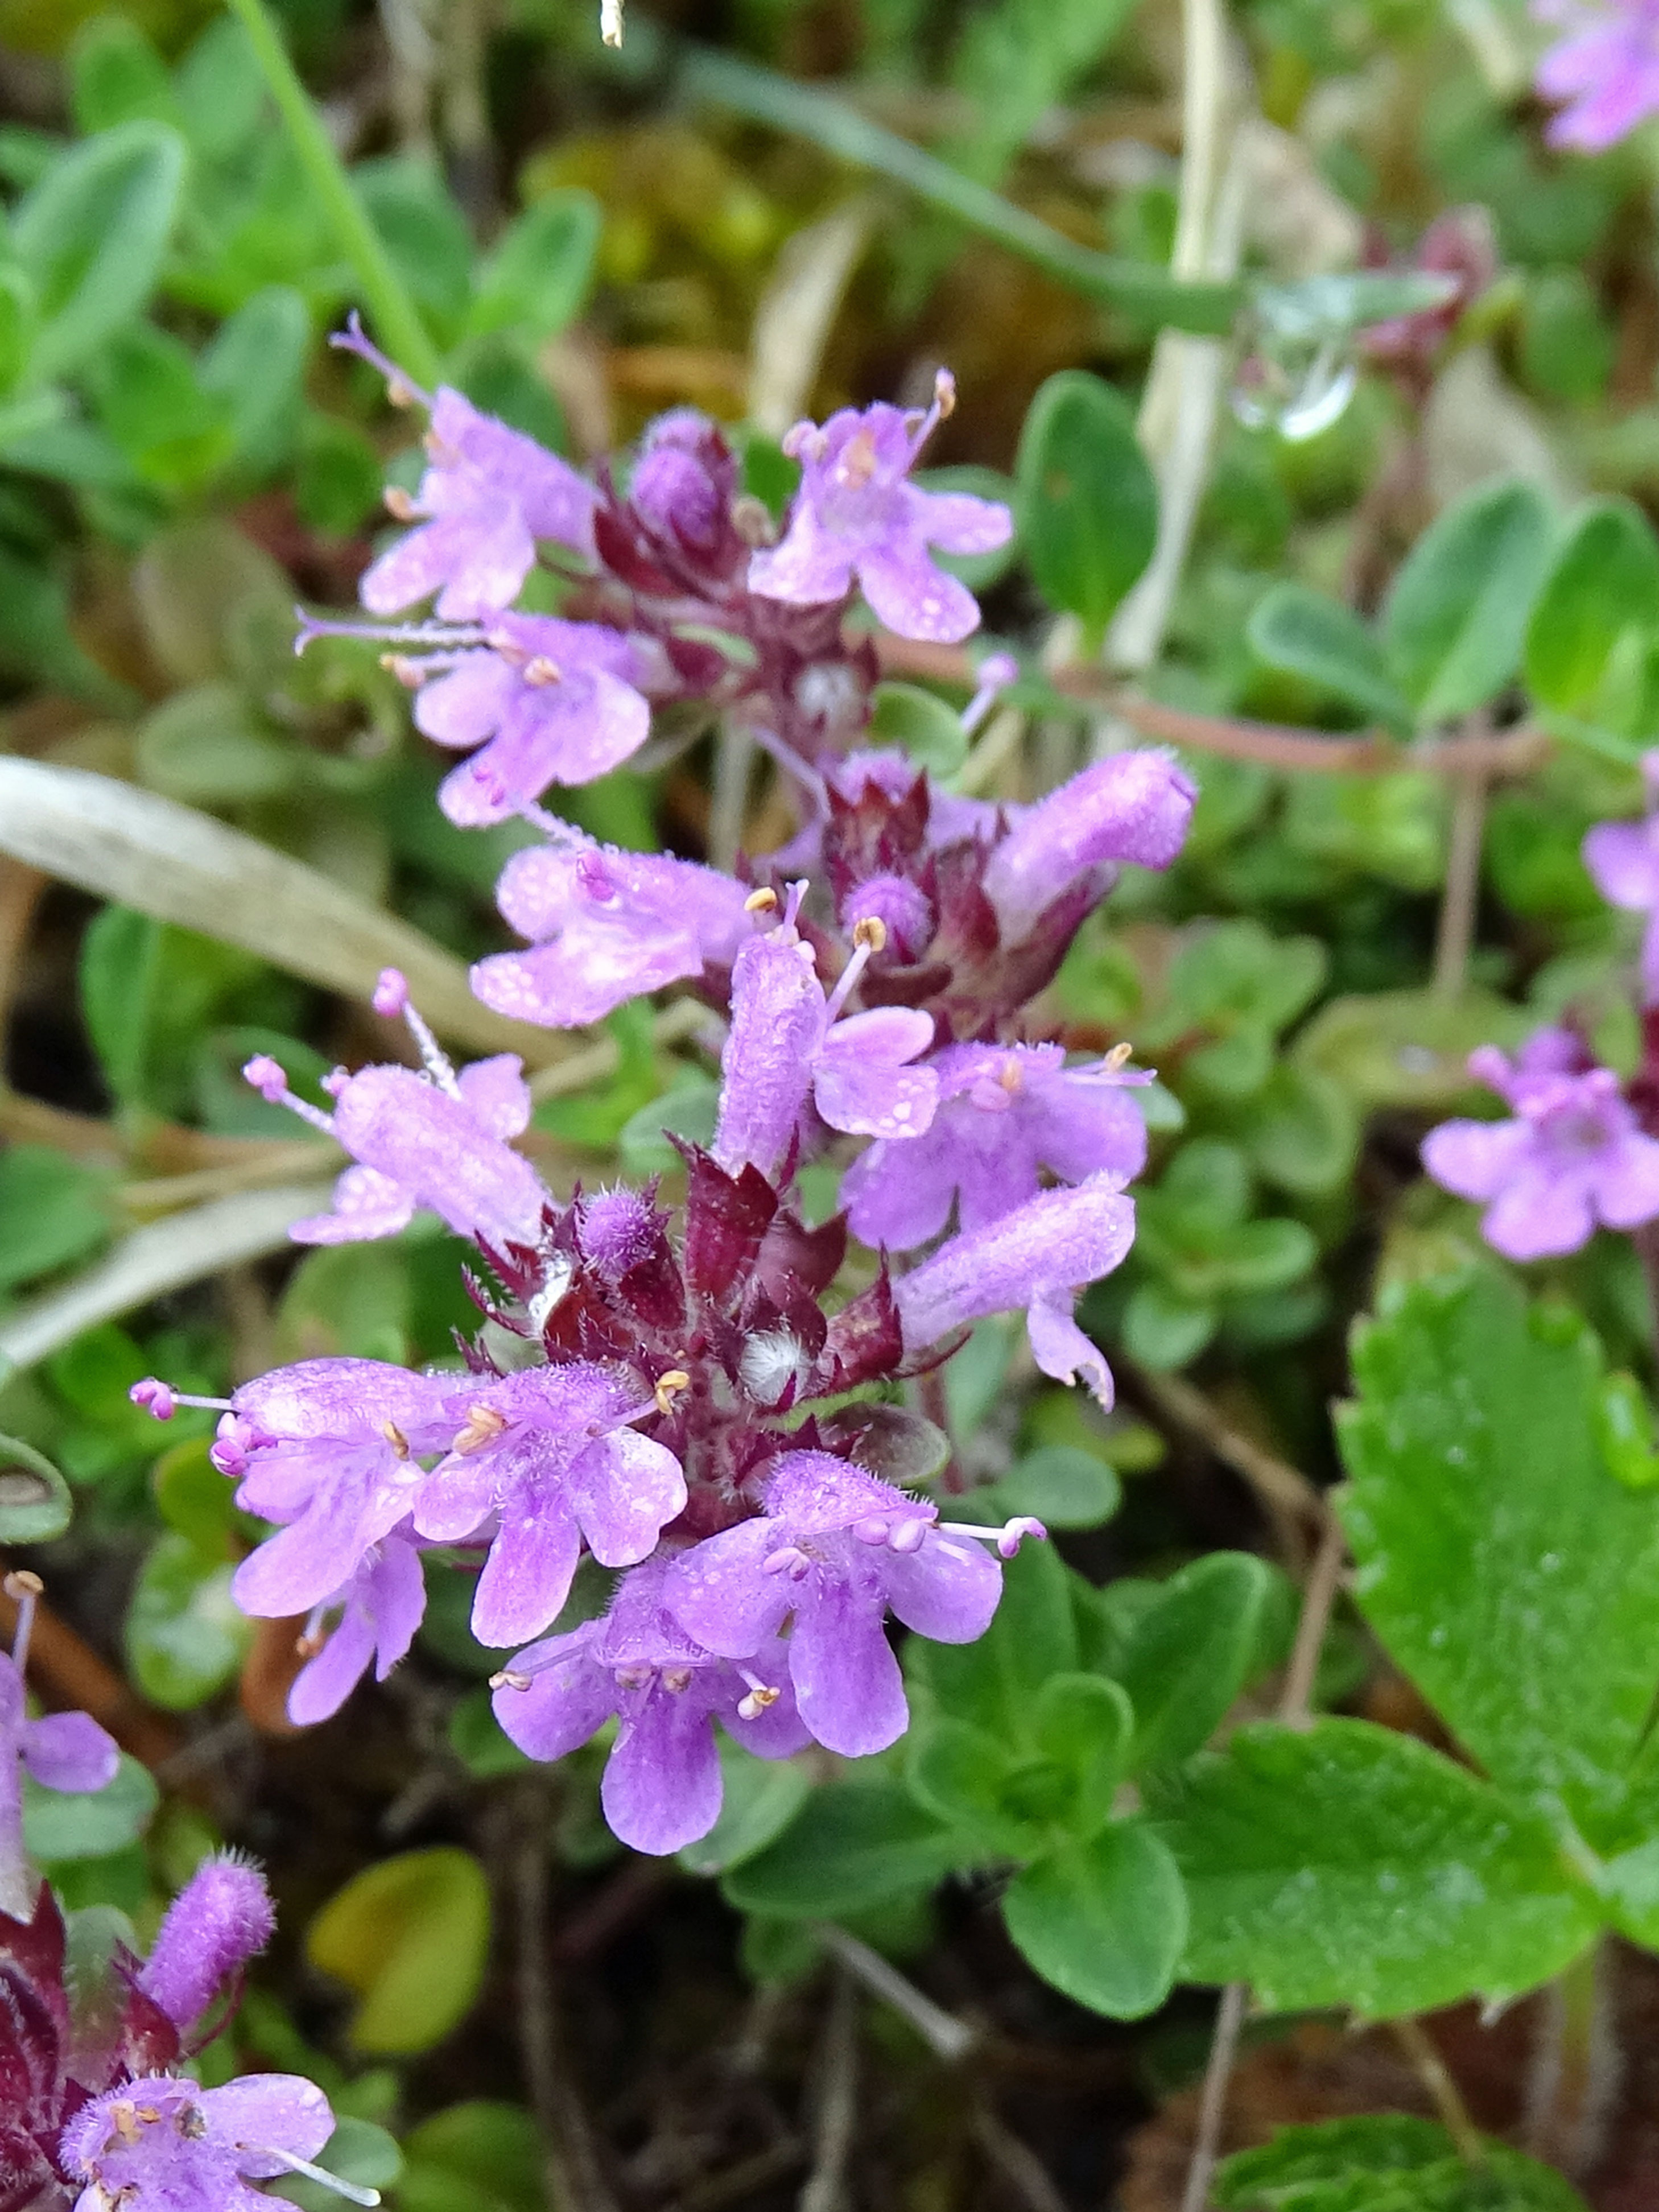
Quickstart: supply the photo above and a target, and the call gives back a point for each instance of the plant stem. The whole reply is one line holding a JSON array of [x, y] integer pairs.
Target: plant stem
[[945, 2035], [1212, 2108], [1456, 937], [840, 129], [1447, 2098], [574, 2181], [1318, 1595], [837, 2069], [397, 324], [1577, 2064]]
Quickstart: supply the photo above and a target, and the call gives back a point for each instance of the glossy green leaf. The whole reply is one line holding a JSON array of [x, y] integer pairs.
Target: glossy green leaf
[[53, 1211], [184, 1635], [193, 1498], [1190, 1653], [962, 1777], [1163, 1330], [480, 2156], [1385, 2162], [921, 725], [35, 1505], [1458, 610], [91, 235], [854, 1844], [1087, 502], [1299, 1132], [1062, 1485], [1604, 584], [536, 276], [410, 1936], [759, 1799], [17, 321], [1306, 634], [60, 1825], [1105, 1922], [1508, 1570], [1084, 1726], [1627, 1432], [1348, 1865]]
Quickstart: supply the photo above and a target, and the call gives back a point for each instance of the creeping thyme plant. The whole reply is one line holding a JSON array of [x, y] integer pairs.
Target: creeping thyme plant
[[829, 1192]]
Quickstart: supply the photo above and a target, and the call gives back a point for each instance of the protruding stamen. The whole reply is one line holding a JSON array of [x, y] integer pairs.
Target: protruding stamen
[[788, 1559], [610, 21], [391, 993], [760, 1698], [1007, 1538], [483, 1425], [25, 1591], [871, 931], [399, 504], [764, 901], [872, 1531], [993, 676], [540, 671], [846, 982], [353, 2193], [161, 1401], [669, 1387], [508, 1680], [1118, 1056], [395, 1436], [269, 1078], [677, 1680], [400, 388]]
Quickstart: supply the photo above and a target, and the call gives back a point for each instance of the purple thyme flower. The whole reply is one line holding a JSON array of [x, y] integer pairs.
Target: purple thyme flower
[[857, 515], [682, 481], [60, 1751], [163, 2143], [786, 1041], [1605, 68], [1130, 806], [1623, 858], [487, 496], [219, 1920], [1005, 1113], [662, 1781], [605, 926], [437, 1140], [1573, 1156], [1039, 1255], [378, 1608], [546, 1457], [839, 1549]]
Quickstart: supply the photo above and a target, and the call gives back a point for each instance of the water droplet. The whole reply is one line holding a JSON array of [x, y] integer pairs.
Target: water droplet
[[1296, 385]]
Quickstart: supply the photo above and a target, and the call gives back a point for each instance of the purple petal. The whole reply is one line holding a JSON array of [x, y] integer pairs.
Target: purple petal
[[847, 1684], [1131, 806], [1540, 1216], [805, 568], [900, 1194], [526, 1578], [1624, 862], [1626, 1180], [913, 598], [868, 1099], [282, 2111], [1475, 1159], [70, 1751], [323, 1684], [625, 1490], [568, 1700], [1062, 1350], [766, 1069], [395, 1594], [366, 1203], [957, 522], [662, 1783], [947, 1589], [496, 1094], [465, 706], [1059, 1240], [719, 1593]]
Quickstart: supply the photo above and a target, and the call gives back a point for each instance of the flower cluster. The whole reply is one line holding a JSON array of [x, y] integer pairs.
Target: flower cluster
[[704, 1407], [1575, 1155], [94, 2116], [1604, 68]]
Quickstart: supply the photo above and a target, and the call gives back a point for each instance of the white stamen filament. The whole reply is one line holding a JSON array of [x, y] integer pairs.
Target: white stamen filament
[[24, 1589], [353, 2191], [848, 980]]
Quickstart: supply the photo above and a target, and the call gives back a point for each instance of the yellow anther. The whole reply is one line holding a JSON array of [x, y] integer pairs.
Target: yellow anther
[[757, 1702], [506, 1680], [945, 394], [858, 462], [483, 1425], [395, 1436], [20, 1583], [764, 901], [399, 504], [400, 392], [410, 673], [1119, 1053], [669, 1387], [541, 670], [310, 1644], [1009, 1076], [873, 932]]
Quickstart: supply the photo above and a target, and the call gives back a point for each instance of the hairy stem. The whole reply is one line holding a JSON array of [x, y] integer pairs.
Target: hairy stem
[[397, 324]]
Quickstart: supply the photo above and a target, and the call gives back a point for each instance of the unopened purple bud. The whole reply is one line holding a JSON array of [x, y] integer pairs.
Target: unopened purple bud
[[901, 907], [157, 1400], [391, 993], [268, 1077], [218, 1920]]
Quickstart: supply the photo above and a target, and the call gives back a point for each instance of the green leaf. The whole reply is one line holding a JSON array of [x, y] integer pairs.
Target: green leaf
[[60, 1825], [17, 321], [206, 746], [184, 1635], [91, 235], [1406, 1048], [1062, 1485], [1457, 612], [1084, 1726], [1188, 1657], [760, 1798], [1105, 1922], [1503, 1563], [854, 1844], [255, 367], [1345, 1864], [480, 2156], [410, 1936], [1625, 1431], [1604, 584], [34, 1499], [1087, 502], [921, 725], [1163, 1330], [53, 1210], [1385, 2162], [961, 1776], [116, 75], [144, 385], [1299, 1131], [536, 278], [1306, 634], [193, 1498]]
